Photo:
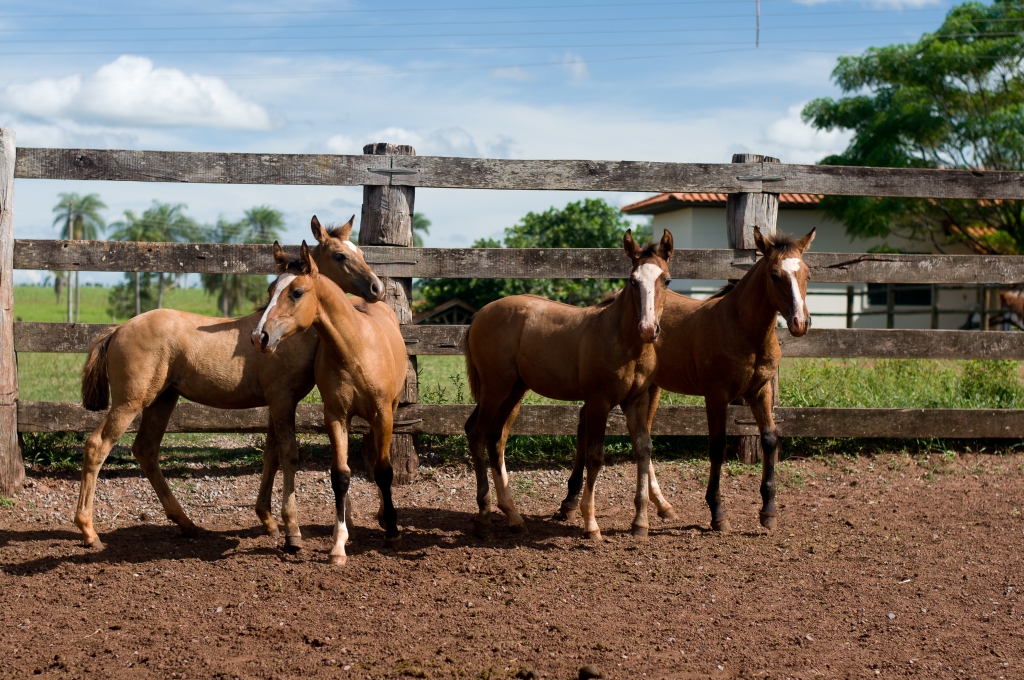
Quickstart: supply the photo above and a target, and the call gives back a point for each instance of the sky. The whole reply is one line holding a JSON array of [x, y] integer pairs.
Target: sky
[[681, 81]]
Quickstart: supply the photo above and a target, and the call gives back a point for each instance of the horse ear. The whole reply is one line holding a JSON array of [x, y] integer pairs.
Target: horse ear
[[805, 243], [319, 233], [345, 230], [280, 258], [760, 242], [308, 264], [629, 245], [667, 246]]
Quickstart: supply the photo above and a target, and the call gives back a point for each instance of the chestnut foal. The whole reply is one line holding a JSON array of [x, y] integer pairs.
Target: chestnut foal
[[601, 355], [724, 348], [149, 361], [360, 370]]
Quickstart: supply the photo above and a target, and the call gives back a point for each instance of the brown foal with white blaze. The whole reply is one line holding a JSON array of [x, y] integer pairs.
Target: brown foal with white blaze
[[146, 363], [601, 355], [360, 370], [724, 348]]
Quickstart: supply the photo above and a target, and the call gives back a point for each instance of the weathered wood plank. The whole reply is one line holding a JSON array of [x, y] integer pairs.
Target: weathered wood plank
[[513, 263], [561, 420], [493, 173], [12, 467], [199, 167], [869, 343], [880, 343]]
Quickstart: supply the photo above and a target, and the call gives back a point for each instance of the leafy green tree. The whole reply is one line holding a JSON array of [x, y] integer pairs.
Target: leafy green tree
[[420, 223], [79, 218], [162, 222], [590, 223], [953, 99], [261, 224]]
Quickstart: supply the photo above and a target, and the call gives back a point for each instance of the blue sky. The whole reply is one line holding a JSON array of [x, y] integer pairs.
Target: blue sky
[[590, 79]]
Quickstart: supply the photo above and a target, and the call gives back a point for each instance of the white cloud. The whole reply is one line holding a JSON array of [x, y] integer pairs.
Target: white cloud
[[341, 144], [797, 142], [890, 4], [446, 141], [512, 73], [576, 66], [130, 91]]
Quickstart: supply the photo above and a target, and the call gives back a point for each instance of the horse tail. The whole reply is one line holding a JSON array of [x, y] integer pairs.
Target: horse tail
[[95, 383], [471, 372]]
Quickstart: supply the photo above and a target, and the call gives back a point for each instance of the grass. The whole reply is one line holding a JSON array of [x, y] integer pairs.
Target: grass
[[905, 383]]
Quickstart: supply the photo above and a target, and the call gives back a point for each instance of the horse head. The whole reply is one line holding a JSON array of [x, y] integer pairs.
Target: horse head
[[293, 302], [648, 281], [342, 261], [787, 277]]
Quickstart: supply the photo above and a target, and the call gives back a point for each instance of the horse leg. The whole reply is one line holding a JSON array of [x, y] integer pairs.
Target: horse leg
[[496, 449], [271, 457], [368, 451], [665, 510], [477, 445], [341, 479], [97, 447], [716, 414], [288, 448], [637, 417], [571, 505], [597, 423], [146, 450], [383, 474], [761, 406]]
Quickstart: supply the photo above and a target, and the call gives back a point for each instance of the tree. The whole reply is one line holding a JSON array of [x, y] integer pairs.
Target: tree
[[162, 222], [420, 223], [79, 218], [590, 223], [261, 224], [953, 99]]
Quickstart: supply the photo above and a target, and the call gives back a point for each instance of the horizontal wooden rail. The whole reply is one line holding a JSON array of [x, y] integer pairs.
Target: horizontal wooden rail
[[442, 419], [492, 173], [866, 343], [490, 263]]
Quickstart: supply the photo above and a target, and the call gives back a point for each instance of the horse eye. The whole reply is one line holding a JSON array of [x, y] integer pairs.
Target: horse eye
[[340, 257], [667, 280], [297, 293], [776, 277]]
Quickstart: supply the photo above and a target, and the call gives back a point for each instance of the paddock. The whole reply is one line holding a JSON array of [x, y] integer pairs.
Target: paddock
[[882, 565]]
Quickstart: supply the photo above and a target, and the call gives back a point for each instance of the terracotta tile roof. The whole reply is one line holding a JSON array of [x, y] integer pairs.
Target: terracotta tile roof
[[674, 201]]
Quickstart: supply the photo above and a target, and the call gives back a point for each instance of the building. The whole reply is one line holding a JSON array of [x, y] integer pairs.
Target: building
[[697, 220]]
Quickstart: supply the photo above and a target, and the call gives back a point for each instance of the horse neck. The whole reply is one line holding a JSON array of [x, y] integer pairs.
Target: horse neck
[[750, 304], [336, 320], [627, 316]]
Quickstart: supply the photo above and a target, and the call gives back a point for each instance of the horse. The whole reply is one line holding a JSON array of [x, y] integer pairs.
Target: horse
[[724, 348], [601, 355], [360, 370], [146, 363]]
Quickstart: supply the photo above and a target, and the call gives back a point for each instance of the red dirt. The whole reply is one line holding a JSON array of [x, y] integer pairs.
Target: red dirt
[[879, 569]]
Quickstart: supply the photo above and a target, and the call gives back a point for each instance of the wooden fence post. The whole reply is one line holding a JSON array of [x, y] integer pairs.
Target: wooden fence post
[[742, 213], [387, 220], [12, 467]]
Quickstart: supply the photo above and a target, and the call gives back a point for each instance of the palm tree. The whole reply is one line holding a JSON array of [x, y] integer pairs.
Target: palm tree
[[161, 222], [79, 217], [261, 224], [419, 223]]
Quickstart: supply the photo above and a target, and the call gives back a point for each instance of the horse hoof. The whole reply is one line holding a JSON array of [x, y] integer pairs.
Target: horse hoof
[[768, 521], [337, 560], [518, 529], [393, 540], [668, 515], [565, 514], [94, 544], [292, 544], [639, 532], [481, 529], [592, 535], [721, 525]]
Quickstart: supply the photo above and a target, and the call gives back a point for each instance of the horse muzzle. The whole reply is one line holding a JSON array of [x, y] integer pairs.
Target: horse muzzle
[[649, 332], [798, 327], [376, 291], [262, 341]]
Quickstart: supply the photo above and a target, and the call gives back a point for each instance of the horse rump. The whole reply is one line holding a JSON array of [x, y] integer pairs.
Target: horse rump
[[471, 372], [95, 383]]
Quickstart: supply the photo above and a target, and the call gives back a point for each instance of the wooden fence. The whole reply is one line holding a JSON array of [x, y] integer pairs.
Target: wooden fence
[[753, 186]]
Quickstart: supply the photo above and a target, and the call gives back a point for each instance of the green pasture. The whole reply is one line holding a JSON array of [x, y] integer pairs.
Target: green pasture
[[905, 383]]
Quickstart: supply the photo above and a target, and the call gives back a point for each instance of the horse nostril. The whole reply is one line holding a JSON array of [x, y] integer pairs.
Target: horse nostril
[[264, 339], [657, 330]]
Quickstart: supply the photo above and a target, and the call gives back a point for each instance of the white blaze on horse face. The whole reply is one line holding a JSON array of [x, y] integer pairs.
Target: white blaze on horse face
[[791, 265], [351, 246], [647, 276], [282, 284]]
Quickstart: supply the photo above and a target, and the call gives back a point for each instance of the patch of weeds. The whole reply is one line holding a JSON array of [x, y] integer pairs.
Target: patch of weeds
[[53, 450], [735, 468], [6, 502], [524, 485], [896, 463], [977, 470], [788, 476]]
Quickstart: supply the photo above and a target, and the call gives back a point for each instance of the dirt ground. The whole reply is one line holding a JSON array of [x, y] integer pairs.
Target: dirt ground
[[881, 567]]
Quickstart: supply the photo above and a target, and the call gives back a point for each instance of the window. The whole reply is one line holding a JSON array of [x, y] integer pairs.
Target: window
[[908, 294]]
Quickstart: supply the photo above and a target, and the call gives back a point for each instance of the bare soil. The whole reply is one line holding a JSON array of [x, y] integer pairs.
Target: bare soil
[[881, 567]]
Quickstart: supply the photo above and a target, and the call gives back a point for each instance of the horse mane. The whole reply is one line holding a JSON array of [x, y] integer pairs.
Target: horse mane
[[724, 290], [650, 250], [607, 299], [779, 240], [343, 231]]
